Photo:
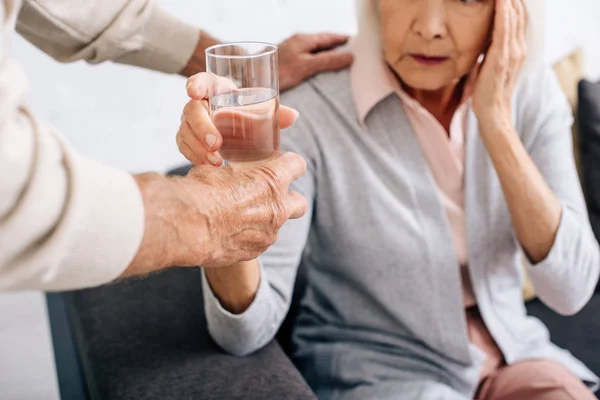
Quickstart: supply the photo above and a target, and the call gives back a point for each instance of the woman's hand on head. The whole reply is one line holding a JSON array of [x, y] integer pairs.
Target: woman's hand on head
[[198, 139], [498, 73]]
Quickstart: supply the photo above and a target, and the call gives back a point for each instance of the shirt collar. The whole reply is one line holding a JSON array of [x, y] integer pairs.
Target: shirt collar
[[370, 79]]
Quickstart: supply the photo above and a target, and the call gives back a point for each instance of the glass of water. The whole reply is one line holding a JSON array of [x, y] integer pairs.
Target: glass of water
[[246, 109]]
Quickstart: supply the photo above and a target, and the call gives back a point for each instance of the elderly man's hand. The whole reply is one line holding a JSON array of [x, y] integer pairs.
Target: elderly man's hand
[[303, 56], [217, 216], [300, 57]]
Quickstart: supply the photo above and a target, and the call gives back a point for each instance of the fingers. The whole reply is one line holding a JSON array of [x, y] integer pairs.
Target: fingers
[[331, 60], [302, 56], [522, 25], [517, 39], [287, 117], [287, 167], [188, 153], [199, 134], [204, 85], [512, 29], [198, 139], [199, 153], [196, 114], [500, 40], [295, 205], [201, 86], [323, 41]]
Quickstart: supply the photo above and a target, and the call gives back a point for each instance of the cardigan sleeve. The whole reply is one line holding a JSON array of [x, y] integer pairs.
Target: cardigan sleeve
[[565, 280]]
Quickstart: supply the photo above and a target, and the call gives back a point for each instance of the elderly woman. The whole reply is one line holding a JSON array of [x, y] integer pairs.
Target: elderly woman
[[432, 179]]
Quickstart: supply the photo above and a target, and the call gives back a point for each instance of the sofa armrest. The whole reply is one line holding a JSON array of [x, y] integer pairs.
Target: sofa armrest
[[147, 339]]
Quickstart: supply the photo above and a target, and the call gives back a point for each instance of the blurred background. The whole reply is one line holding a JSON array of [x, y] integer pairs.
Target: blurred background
[[128, 117]]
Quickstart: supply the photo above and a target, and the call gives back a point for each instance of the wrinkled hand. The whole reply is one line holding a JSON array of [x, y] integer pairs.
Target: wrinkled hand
[[198, 139], [241, 208], [216, 216], [499, 71], [302, 56]]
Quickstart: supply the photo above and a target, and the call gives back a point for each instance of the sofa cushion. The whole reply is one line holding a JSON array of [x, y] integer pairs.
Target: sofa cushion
[[577, 334], [147, 338], [589, 127], [569, 71]]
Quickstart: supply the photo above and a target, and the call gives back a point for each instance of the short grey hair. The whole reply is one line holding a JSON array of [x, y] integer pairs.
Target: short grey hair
[[369, 27]]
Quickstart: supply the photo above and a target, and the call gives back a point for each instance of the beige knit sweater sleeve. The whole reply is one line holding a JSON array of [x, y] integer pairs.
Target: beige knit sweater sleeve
[[67, 222]]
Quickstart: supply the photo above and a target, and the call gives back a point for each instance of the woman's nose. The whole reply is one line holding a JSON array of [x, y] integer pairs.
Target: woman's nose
[[430, 20]]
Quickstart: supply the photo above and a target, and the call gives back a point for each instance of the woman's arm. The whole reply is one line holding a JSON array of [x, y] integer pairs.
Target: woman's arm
[[534, 209], [235, 286], [246, 303], [544, 197], [537, 175]]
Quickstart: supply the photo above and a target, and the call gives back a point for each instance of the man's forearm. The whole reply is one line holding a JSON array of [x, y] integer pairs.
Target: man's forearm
[[152, 254], [166, 207], [129, 32], [197, 62]]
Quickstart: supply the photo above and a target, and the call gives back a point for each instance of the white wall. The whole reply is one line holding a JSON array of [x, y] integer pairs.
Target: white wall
[[110, 112], [570, 24]]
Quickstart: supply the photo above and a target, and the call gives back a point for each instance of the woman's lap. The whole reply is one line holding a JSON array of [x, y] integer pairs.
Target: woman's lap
[[535, 380], [531, 380], [374, 376]]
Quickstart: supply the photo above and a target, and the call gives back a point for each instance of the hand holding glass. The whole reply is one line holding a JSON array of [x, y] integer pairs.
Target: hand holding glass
[[246, 113]]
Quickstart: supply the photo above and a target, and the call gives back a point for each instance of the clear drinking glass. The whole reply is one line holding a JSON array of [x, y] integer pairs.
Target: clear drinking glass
[[245, 110]]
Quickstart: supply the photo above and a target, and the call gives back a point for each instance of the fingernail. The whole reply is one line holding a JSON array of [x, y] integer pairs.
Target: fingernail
[[188, 85], [213, 158], [297, 114], [210, 140]]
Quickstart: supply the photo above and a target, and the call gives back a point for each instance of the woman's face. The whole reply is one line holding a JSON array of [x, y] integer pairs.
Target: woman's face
[[431, 44]]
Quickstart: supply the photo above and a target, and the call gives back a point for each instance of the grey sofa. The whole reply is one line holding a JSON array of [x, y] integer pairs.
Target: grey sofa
[[147, 338]]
